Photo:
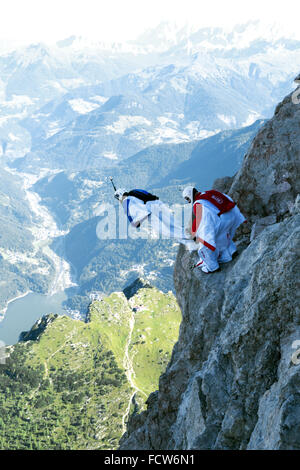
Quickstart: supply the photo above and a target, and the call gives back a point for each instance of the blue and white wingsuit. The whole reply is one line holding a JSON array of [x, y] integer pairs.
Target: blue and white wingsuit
[[140, 205]]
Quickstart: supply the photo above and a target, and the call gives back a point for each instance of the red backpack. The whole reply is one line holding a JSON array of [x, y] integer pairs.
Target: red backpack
[[222, 202]]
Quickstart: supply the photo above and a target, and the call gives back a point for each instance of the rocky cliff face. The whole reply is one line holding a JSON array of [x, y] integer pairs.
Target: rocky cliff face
[[233, 381]]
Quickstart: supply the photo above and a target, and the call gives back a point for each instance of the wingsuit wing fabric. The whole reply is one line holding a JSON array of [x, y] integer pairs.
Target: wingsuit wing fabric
[[162, 220], [165, 225]]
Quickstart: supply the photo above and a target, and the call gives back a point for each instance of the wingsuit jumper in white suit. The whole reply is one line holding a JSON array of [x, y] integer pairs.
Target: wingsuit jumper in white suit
[[215, 220], [161, 218]]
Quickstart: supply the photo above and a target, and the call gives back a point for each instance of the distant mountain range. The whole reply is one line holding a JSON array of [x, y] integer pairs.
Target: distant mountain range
[[91, 104]]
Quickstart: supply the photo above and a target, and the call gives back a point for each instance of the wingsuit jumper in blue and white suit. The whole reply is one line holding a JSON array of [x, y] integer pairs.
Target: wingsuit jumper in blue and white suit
[[140, 205]]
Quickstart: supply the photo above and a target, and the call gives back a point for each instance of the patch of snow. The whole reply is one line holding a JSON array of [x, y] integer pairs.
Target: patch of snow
[[5, 119], [179, 84], [40, 115], [81, 106], [162, 86], [134, 104], [53, 128], [100, 99], [72, 82], [92, 183], [203, 134], [229, 120], [195, 132], [125, 122], [251, 119], [18, 101], [165, 120], [110, 155], [167, 134], [13, 137], [56, 85]]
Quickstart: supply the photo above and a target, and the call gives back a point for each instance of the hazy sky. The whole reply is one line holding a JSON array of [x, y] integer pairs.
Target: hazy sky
[[50, 20]]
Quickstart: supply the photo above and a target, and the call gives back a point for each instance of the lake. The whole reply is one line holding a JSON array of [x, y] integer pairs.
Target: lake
[[22, 313]]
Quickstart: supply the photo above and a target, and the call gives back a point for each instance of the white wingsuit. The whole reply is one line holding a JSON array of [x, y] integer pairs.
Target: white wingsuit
[[214, 232], [161, 219]]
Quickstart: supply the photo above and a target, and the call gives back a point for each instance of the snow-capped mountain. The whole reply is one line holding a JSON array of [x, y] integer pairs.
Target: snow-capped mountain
[[81, 103], [207, 81]]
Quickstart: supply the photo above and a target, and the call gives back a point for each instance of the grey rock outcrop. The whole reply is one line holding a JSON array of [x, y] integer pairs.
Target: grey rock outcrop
[[233, 381], [38, 328], [269, 179], [260, 224]]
